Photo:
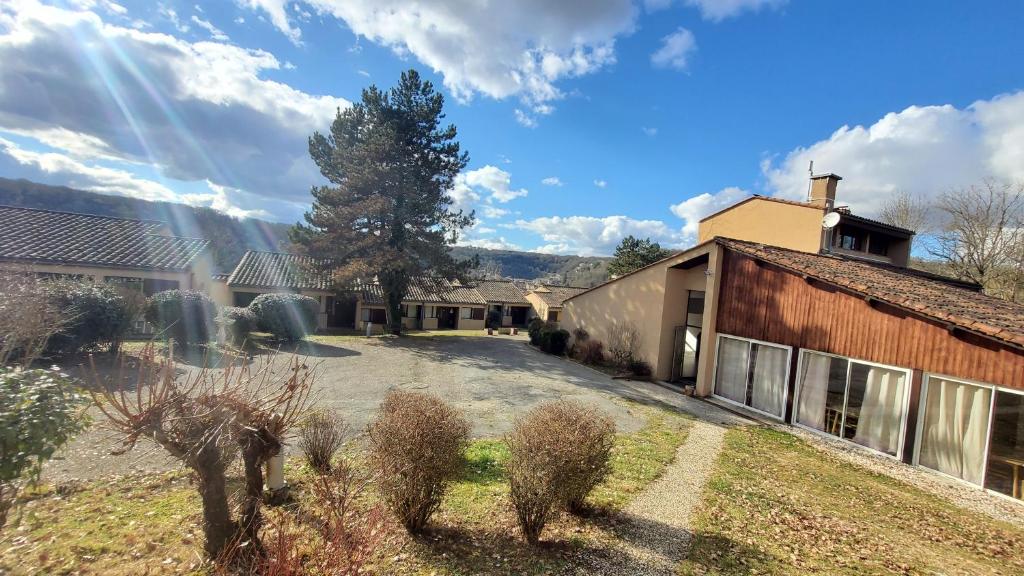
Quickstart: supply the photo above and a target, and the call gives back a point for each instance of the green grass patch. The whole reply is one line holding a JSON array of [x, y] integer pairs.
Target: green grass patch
[[777, 505]]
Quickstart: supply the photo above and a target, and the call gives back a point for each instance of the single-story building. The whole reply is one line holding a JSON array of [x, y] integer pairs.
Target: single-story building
[[837, 337], [430, 304], [508, 299], [137, 254], [548, 300]]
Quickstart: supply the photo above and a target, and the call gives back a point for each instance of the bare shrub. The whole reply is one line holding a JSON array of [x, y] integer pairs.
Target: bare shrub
[[339, 537], [579, 335], [321, 435], [640, 368], [28, 318], [417, 445], [559, 453], [589, 352], [204, 419], [623, 343]]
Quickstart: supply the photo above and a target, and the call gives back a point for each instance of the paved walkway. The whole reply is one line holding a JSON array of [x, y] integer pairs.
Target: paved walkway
[[656, 529]]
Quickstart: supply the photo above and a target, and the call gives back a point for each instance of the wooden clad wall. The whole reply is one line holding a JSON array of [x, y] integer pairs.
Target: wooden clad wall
[[765, 302]]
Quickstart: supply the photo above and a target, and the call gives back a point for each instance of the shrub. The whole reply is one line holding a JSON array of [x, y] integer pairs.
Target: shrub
[[238, 323], [623, 343], [590, 352], [40, 411], [185, 315], [321, 435], [417, 444], [28, 317], [287, 316], [639, 368], [558, 453], [534, 329], [494, 319], [554, 340], [579, 335], [95, 315]]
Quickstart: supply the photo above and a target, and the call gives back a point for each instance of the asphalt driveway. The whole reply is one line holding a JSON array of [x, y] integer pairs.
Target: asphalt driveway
[[492, 379]]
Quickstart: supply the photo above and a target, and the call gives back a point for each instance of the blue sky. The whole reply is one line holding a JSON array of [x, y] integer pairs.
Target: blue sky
[[584, 121]]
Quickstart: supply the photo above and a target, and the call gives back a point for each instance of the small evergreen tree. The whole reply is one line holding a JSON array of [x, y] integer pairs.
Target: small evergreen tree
[[387, 213], [632, 254]]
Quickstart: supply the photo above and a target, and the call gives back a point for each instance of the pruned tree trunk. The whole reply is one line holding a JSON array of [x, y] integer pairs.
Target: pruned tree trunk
[[258, 446], [218, 528]]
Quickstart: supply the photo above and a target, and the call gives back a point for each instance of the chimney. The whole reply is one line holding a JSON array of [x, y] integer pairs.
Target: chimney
[[823, 191]]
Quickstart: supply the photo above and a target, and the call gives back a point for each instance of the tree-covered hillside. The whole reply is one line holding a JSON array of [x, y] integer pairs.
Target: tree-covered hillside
[[572, 270]]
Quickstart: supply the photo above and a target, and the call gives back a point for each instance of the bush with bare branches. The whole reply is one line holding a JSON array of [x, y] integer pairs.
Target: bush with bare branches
[[28, 317], [589, 352], [417, 445], [624, 343], [204, 419], [321, 435], [559, 452]]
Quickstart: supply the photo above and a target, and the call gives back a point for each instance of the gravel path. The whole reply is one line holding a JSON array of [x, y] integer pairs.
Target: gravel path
[[655, 527]]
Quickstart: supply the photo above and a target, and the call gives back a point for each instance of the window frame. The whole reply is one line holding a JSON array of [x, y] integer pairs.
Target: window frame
[[750, 342], [919, 429], [850, 360]]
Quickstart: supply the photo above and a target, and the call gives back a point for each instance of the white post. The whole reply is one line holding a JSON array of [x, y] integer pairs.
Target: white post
[[369, 329], [275, 473]]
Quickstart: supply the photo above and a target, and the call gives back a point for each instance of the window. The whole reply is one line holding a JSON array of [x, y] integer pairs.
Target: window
[[974, 432], [471, 313], [465, 313], [151, 286], [431, 312], [405, 311], [243, 299], [552, 315], [128, 282], [855, 400], [878, 245], [849, 238], [478, 313], [752, 374], [695, 308]]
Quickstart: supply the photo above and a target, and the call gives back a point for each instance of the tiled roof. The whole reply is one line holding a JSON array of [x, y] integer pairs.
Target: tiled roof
[[854, 218], [279, 270], [504, 291], [40, 236], [925, 294], [431, 290], [554, 296]]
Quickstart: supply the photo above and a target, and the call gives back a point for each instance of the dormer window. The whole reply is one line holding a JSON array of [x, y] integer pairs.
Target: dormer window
[[856, 236]]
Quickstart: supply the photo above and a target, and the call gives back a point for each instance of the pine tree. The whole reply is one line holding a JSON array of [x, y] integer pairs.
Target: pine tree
[[632, 254], [387, 213]]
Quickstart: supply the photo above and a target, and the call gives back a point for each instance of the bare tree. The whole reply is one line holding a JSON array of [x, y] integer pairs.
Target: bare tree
[[27, 316], [981, 238], [906, 210], [203, 419]]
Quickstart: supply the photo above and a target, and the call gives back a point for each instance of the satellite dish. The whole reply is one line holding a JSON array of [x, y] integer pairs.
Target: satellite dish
[[830, 220]]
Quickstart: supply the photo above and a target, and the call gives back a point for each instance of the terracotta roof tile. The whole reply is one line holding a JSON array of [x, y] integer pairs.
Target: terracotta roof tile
[[504, 291], [947, 300], [554, 296], [430, 290], [33, 235]]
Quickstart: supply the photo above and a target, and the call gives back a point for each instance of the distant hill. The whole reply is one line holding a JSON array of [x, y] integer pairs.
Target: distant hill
[[571, 270], [230, 237]]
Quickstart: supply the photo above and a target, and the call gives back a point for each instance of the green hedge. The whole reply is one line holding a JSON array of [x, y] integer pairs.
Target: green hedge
[[238, 323], [187, 316], [286, 316], [94, 315]]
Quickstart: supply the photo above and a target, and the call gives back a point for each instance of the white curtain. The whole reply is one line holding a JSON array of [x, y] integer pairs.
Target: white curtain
[[733, 362], [810, 410], [881, 412], [955, 429], [769, 381]]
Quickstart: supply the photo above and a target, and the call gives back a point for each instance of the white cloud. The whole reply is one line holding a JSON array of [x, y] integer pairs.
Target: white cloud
[[495, 181], [499, 49], [552, 181], [240, 20], [493, 211], [718, 10], [652, 132], [589, 236], [363, 73], [525, 119], [194, 111], [675, 50], [923, 150], [278, 13], [215, 33], [600, 183], [490, 243], [220, 198], [693, 209], [172, 17], [56, 168]]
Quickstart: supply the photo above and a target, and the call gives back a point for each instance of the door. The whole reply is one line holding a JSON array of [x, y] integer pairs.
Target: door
[[519, 315], [685, 352], [344, 313], [447, 317]]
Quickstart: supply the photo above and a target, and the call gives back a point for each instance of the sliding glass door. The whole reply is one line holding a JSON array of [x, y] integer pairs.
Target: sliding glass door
[[855, 400], [753, 374], [974, 432]]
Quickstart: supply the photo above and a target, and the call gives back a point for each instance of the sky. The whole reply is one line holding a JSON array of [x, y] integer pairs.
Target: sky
[[584, 120]]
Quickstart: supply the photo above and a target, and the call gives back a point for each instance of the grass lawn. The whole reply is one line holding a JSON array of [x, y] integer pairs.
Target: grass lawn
[[776, 505], [151, 524]]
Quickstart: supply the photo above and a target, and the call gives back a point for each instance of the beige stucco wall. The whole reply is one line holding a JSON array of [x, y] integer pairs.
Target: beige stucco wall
[[221, 293], [540, 308], [653, 300], [761, 220]]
